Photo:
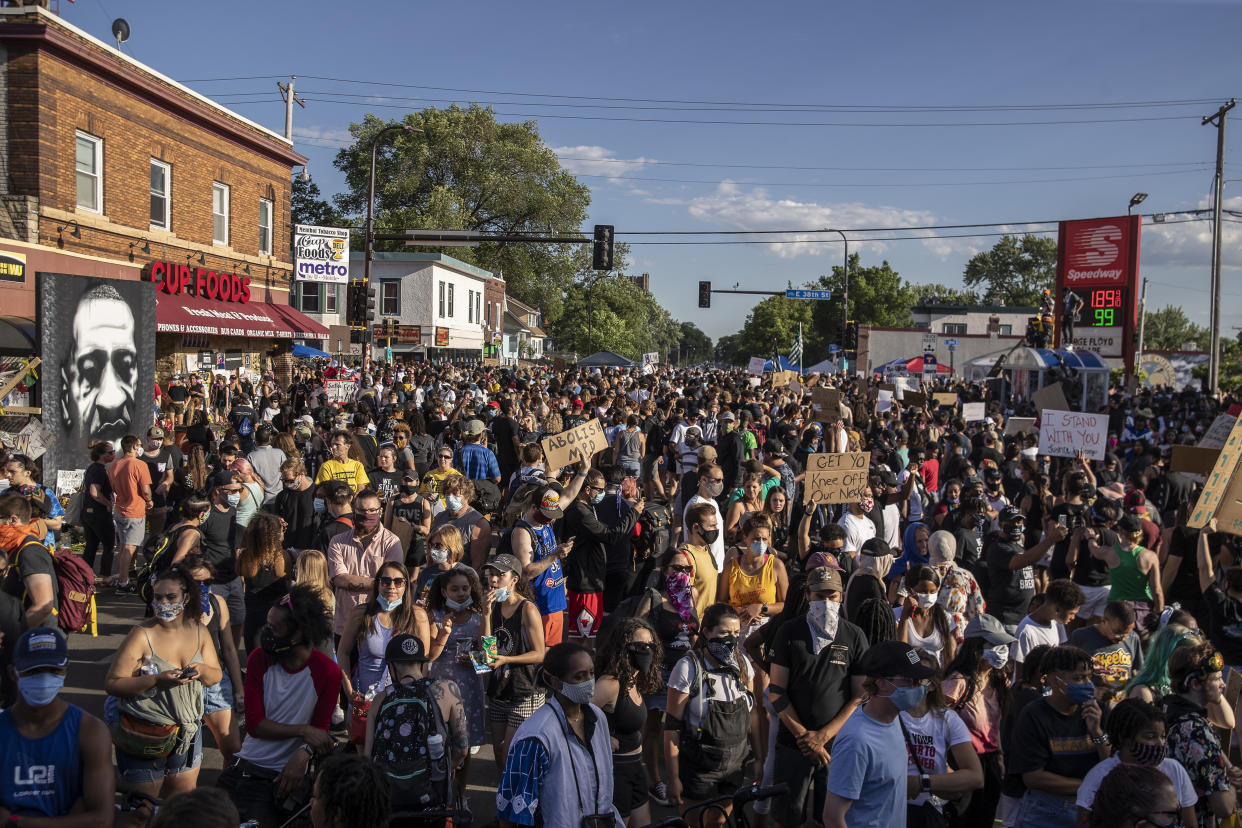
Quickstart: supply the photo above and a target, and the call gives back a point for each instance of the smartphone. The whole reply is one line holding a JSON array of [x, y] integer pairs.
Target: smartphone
[[187, 672], [1061, 519]]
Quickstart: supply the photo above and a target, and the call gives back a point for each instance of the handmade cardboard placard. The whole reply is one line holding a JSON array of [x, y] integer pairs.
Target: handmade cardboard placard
[[340, 391], [1193, 459], [1050, 396], [836, 478], [1065, 433], [915, 398], [1016, 425], [944, 399], [756, 366], [780, 379], [825, 400], [578, 443], [974, 412], [1222, 495], [1218, 432], [68, 481]]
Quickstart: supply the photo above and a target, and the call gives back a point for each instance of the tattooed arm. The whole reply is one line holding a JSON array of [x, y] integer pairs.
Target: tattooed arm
[[448, 696]]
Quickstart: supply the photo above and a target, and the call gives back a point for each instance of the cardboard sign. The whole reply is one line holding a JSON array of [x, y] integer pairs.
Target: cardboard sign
[[1050, 396], [795, 388], [756, 366], [1194, 460], [339, 391], [915, 398], [1065, 433], [783, 378], [68, 481], [1218, 432], [825, 401], [1017, 425], [974, 412], [944, 400], [836, 478], [1222, 496], [578, 443]]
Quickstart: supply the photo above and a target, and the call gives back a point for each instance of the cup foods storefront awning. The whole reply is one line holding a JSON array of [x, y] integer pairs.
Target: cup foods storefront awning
[[254, 320]]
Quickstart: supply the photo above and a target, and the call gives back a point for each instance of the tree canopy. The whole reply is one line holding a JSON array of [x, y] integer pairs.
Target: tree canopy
[[1015, 270], [1169, 329], [307, 206], [609, 312]]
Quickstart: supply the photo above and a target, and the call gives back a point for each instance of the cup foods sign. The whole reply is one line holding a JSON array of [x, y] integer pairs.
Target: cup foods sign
[[321, 254]]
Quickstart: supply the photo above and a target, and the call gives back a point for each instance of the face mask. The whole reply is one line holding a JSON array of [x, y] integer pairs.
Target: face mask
[[40, 688], [167, 611], [458, 606], [758, 549], [578, 693], [1014, 531], [408, 488], [319, 505], [905, 698], [502, 595], [154, 445], [952, 501], [233, 498], [274, 645], [439, 557], [364, 522], [386, 605], [723, 648], [997, 656], [597, 498], [138, 452], [1079, 693], [925, 600], [823, 615], [866, 504], [1150, 755], [714, 488], [642, 658]]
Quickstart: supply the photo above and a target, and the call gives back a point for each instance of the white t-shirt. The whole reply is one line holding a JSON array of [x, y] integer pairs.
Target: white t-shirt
[[720, 686], [931, 736], [1031, 634], [717, 548], [892, 527], [1171, 768], [915, 501], [858, 530]]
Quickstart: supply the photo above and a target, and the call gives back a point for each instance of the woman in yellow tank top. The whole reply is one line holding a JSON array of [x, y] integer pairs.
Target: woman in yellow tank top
[[754, 579]]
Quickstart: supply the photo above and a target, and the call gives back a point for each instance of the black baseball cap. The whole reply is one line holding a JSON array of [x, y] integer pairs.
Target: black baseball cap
[[894, 658], [405, 647]]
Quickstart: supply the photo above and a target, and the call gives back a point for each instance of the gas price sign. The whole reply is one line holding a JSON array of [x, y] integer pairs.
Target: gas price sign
[[1105, 307]]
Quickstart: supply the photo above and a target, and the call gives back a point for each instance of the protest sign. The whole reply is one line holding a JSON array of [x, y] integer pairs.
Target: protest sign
[[1065, 433], [836, 478], [782, 378], [1193, 460], [756, 366], [339, 391], [1221, 496], [1050, 396], [974, 412], [68, 481], [884, 401], [33, 439], [795, 388], [1016, 425], [578, 443], [1218, 432], [944, 399], [915, 398]]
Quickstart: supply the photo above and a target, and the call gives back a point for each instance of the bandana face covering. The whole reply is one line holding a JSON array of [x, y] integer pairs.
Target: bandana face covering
[[677, 585]]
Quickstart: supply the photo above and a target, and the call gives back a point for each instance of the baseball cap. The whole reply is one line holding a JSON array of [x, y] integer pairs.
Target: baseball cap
[[155, 433], [875, 548], [1130, 524], [707, 453], [1011, 514], [894, 658], [306, 418], [410, 474], [472, 427], [577, 404], [728, 417], [405, 647], [550, 504], [40, 647], [824, 577], [493, 404], [1136, 502], [504, 563], [989, 629]]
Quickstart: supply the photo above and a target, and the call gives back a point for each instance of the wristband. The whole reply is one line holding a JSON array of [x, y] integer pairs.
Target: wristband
[[925, 782], [310, 751]]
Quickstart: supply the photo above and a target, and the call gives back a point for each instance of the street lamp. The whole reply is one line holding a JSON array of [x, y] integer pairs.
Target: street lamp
[[845, 293], [370, 239], [1138, 199]]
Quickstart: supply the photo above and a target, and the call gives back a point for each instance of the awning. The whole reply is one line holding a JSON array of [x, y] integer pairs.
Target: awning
[[17, 334], [190, 315]]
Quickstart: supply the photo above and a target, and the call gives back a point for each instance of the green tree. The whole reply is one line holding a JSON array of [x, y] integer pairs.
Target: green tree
[[878, 296], [937, 294], [610, 313], [772, 325], [1168, 329], [466, 171], [1015, 270], [308, 207], [695, 346]]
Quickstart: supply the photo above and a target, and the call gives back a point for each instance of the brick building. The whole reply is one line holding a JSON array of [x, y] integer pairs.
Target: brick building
[[110, 169]]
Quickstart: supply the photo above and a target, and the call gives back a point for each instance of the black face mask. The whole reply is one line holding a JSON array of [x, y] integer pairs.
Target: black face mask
[[642, 658], [709, 535], [408, 488], [274, 645]]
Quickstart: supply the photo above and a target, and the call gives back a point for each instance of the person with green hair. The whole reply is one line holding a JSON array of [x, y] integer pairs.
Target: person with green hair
[[1152, 683]]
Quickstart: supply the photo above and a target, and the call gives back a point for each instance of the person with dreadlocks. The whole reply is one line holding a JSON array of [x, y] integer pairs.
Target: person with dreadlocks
[[1136, 730], [350, 792]]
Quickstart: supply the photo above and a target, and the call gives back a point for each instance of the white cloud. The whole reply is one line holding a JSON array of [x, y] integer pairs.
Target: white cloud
[[1180, 243], [323, 136], [595, 160]]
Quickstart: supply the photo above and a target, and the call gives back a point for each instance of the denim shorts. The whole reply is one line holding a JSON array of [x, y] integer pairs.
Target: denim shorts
[[129, 531], [1043, 810], [218, 696], [135, 770]]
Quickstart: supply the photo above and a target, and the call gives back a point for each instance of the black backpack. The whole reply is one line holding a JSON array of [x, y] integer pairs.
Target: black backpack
[[655, 531], [505, 546], [486, 497], [635, 606], [159, 553], [406, 718]]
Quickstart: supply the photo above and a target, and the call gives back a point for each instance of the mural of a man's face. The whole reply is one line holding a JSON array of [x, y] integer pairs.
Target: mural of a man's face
[[101, 368]]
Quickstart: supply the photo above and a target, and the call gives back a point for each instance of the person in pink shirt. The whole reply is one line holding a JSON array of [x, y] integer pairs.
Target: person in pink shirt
[[355, 557]]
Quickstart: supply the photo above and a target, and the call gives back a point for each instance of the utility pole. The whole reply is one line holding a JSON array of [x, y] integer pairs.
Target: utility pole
[[1217, 120], [286, 92], [845, 299], [1138, 355]]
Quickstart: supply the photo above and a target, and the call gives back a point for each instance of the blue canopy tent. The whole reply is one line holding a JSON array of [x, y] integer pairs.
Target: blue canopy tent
[[307, 352], [785, 365]]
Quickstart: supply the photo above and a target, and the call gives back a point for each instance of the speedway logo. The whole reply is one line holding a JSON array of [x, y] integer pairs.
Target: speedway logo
[[1096, 251]]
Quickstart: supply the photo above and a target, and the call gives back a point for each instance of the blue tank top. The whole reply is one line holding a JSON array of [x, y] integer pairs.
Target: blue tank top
[[46, 776], [372, 670], [549, 587]]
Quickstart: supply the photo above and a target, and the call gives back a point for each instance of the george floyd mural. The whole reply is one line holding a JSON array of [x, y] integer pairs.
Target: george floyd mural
[[98, 342]]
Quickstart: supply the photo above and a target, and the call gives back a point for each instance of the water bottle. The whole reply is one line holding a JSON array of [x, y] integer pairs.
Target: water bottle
[[148, 667], [435, 751]]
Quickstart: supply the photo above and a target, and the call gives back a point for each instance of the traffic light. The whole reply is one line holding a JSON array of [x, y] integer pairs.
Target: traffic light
[[601, 249], [369, 293], [356, 305], [851, 335], [705, 294]]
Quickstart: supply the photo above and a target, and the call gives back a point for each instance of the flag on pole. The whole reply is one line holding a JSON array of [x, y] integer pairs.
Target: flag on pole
[[795, 353]]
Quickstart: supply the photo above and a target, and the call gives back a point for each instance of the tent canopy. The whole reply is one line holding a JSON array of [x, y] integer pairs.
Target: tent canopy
[[606, 359], [909, 365], [1043, 359], [306, 352]]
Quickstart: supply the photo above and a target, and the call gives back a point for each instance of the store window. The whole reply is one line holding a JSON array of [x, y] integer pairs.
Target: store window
[[450, 301], [953, 328], [470, 307], [329, 298], [310, 296], [389, 299], [1006, 330], [219, 212], [442, 300], [89, 163], [265, 227], [161, 194]]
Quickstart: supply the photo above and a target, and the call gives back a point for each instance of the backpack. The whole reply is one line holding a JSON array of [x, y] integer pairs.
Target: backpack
[[246, 427], [655, 531], [635, 606], [407, 717], [486, 497], [158, 553], [505, 547], [75, 585]]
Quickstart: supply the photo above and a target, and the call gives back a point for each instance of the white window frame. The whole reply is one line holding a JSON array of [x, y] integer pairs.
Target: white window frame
[[217, 187], [442, 300], [396, 298], [470, 308], [265, 204], [97, 146], [451, 291], [166, 223], [478, 306], [329, 298]]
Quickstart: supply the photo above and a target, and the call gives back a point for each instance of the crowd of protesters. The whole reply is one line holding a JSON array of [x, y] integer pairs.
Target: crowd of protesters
[[353, 597]]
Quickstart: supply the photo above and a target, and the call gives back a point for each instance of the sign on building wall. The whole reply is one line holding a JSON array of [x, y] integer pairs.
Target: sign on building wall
[[321, 254]]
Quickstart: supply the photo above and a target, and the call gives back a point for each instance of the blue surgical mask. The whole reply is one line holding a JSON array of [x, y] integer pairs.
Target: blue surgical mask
[[386, 605], [502, 594], [320, 505], [905, 698], [458, 606], [39, 689], [1079, 693], [453, 502], [234, 498], [597, 498], [758, 548]]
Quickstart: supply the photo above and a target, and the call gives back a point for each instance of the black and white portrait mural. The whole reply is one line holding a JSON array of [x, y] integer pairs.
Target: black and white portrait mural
[[98, 343]]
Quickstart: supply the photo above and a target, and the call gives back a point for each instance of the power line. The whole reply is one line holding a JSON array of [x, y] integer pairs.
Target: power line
[[653, 162], [1009, 224], [901, 185]]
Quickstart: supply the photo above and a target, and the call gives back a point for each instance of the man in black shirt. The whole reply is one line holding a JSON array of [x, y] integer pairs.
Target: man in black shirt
[[505, 436], [362, 435], [31, 577], [221, 537], [244, 421], [296, 504], [730, 451], [163, 459], [1011, 582], [1112, 643], [971, 521], [813, 690], [338, 501], [586, 567], [1073, 514]]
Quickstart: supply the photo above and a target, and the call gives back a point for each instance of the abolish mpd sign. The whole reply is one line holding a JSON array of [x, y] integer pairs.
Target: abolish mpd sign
[[1098, 260]]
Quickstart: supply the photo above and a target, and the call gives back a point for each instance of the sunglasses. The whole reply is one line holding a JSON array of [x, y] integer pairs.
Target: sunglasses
[[685, 570], [384, 580], [445, 456]]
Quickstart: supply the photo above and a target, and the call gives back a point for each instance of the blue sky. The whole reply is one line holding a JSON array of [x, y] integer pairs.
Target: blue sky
[[888, 168]]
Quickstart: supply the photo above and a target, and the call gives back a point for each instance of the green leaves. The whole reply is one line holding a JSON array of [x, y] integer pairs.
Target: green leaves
[[1015, 270], [1168, 329]]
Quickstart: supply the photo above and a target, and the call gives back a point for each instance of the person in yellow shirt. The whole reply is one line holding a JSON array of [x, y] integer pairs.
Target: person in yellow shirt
[[339, 466], [704, 527], [434, 479]]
